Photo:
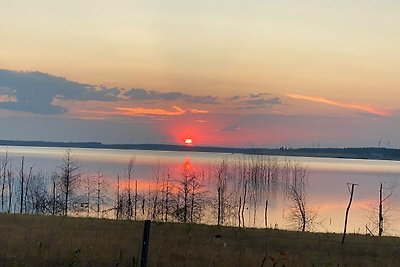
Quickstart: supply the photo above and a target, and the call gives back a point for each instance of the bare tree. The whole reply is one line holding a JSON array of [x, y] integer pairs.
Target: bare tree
[[224, 204], [101, 193], [38, 200], [242, 188], [191, 198], [198, 197], [69, 178], [128, 198], [28, 183], [167, 194], [154, 197], [378, 212], [385, 194], [129, 190], [270, 183], [221, 175], [301, 215], [183, 185], [57, 205], [86, 204]]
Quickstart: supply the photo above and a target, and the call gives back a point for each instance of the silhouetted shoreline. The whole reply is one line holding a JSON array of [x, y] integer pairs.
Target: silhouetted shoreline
[[349, 153]]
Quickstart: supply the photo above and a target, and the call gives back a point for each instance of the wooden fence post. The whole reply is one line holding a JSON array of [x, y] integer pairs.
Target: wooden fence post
[[145, 244]]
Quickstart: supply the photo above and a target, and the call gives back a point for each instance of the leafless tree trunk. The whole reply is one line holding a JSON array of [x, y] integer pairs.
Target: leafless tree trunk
[[143, 205], [136, 199], [53, 211], [383, 210], [4, 164], [118, 204], [10, 188], [266, 213], [380, 219], [129, 174], [239, 210], [221, 173], [101, 193], [185, 190], [22, 185], [348, 209], [87, 203], [166, 189], [219, 206], [28, 181], [157, 205], [244, 201]]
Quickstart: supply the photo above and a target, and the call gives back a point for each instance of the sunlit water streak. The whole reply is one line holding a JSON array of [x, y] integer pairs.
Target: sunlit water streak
[[327, 190]]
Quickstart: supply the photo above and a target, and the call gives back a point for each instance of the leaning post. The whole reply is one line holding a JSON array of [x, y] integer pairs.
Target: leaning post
[[351, 191]]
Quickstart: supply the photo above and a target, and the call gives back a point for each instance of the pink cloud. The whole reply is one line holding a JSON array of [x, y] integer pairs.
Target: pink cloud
[[353, 106]]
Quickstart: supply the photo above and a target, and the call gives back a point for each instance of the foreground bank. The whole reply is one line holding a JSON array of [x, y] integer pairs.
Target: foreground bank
[[60, 241]]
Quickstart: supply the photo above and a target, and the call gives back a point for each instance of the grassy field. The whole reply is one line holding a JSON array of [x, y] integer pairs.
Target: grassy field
[[57, 241]]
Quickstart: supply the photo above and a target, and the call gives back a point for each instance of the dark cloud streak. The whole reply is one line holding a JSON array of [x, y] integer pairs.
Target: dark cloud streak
[[141, 95], [262, 101], [37, 92]]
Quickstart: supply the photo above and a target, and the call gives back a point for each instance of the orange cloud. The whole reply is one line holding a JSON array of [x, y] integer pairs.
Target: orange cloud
[[152, 111], [354, 106], [199, 111], [5, 98]]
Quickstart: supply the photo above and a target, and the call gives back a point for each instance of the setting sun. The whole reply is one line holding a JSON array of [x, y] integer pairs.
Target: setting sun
[[188, 141]]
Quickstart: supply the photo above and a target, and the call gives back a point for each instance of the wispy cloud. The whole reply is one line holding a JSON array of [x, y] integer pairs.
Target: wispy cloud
[[258, 95], [198, 111], [353, 106], [231, 128], [152, 111], [140, 95], [253, 101], [259, 101]]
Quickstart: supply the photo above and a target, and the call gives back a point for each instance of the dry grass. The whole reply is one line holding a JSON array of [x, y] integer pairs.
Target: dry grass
[[57, 241]]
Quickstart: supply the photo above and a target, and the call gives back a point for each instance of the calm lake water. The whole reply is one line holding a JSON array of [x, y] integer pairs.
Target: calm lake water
[[327, 189]]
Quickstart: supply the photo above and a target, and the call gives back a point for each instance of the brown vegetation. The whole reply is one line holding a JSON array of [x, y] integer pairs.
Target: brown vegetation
[[33, 240]]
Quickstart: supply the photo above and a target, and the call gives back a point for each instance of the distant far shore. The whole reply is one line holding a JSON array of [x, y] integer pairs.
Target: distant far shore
[[376, 153]]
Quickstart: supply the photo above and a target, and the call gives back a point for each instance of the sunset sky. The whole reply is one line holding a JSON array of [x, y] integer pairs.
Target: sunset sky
[[236, 73]]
